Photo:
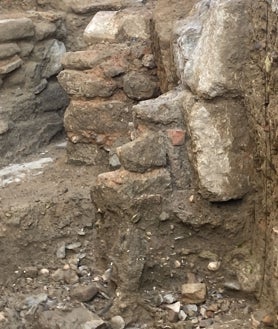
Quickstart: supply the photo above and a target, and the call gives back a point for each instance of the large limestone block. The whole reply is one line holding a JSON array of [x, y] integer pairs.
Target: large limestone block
[[212, 47], [86, 84], [220, 142], [88, 6], [14, 29], [108, 25], [8, 50], [147, 151], [94, 121]]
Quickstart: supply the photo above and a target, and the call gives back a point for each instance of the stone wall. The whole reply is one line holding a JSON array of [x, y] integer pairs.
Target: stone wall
[[31, 101]]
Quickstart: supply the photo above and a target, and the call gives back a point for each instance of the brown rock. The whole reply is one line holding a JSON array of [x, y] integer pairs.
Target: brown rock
[[194, 293], [84, 293], [9, 65]]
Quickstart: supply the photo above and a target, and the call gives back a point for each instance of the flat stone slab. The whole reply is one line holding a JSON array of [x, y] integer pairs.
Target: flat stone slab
[[7, 66], [16, 29], [88, 6], [8, 50]]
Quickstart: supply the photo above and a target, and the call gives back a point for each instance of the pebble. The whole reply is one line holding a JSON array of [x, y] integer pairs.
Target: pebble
[[174, 307], [71, 277], [2, 317], [58, 275], [73, 245], [190, 309], [194, 293], [169, 299], [117, 322], [44, 272], [182, 315], [214, 266], [205, 323], [232, 285]]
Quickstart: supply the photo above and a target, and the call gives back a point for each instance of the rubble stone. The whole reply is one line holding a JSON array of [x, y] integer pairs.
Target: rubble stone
[[16, 28], [8, 50], [194, 293]]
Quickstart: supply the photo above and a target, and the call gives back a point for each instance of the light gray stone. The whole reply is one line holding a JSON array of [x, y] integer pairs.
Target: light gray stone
[[8, 50], [86, 84], [146, 152], [4, 126], [220, 142], [117, 322], [7, 66], [165, 109], [54, 52], [210, 57], [107, 25], [15, 29], [44, 30]]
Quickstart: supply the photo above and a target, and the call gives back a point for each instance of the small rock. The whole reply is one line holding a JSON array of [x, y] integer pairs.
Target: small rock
[[71, 277], [169, 299], [206, 254], [182, 315], [2, 317], [149, 61], [268, 320], [61, 251], [94, 324], [58, 275], [73, 245], [174, 307], [164, 216], [232, 285], [117, 322], [177, 264], [214, 266], [44, 271], [84, 293], [191, 309], [194, 293]]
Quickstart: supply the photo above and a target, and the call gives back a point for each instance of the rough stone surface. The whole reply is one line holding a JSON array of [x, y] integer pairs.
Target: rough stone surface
[[108, 25], [140, 86], [144, 153], [88, 6], [94, 121], [84, 153], [86, 84], [221, 148], [194, 293], [54, 52], [165, 110], [84, 293], [7, 66], [13, 29], [218, 70], [8, 50]]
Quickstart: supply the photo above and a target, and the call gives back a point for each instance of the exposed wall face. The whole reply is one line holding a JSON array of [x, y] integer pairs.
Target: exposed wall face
[[261, 99], [31, 101]]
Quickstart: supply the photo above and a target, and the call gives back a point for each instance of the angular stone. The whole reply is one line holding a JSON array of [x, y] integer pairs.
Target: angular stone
[[84, 153], [8, 50], [103, 26], [194, 293], [165, 110], [146, 152], [9, 65], [84, 293], [140, 86], [107, 26], [88, 6], [74, 319], [54, 52], [96, 121], [221, 148], [86, 84], [52, 98], [14, 29], [120, 190], [212, 64]]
